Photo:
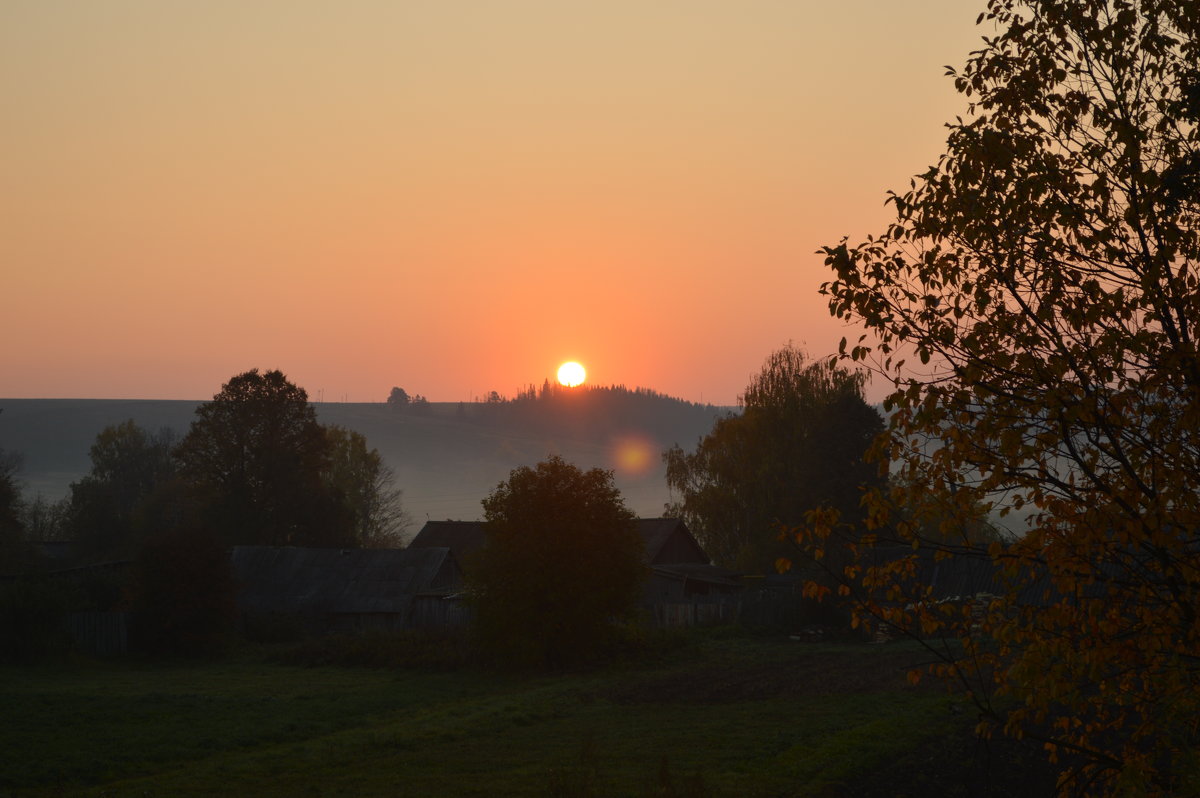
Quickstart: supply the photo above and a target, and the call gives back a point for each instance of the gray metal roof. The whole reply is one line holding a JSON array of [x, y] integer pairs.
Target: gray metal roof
[[466, 537], [289, 579]]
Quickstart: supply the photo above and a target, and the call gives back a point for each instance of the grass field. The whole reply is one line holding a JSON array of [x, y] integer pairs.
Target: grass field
[[718, 715]]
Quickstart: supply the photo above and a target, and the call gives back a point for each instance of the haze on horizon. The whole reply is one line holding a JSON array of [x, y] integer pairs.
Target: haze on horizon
[[452, 197]]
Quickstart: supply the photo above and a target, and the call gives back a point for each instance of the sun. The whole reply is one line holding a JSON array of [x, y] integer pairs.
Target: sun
[[571, 374]]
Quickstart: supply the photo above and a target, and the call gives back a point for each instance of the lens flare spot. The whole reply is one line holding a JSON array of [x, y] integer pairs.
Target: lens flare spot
[[634, 455]]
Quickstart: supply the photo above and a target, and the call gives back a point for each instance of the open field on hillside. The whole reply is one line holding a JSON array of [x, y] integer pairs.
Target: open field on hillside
[[718, 716], [444, 463]]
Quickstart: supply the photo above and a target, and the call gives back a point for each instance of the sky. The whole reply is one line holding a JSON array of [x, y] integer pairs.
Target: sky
[[452, 197]]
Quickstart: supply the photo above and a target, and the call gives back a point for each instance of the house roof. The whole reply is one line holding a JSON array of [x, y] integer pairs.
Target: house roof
[[668, 540], [461, 537], [466, 537], [289, 579], [699, 572]]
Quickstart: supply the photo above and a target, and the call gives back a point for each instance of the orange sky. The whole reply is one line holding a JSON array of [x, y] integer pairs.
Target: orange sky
[[448, 196]]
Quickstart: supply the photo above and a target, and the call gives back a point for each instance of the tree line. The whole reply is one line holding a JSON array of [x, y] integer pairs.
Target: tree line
[[254, 468]]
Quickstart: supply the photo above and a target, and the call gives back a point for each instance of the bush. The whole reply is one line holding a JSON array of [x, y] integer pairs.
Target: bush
[[562, 563], [184, 595], [32, 619]]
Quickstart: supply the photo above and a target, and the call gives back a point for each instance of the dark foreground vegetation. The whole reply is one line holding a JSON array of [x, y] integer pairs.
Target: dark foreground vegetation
[[706, 714]]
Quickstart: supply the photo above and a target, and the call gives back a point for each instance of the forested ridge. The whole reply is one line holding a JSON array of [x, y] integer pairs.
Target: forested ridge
[[447, 455]]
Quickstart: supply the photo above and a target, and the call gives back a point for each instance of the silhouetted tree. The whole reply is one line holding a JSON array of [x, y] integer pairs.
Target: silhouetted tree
[[45, 520], [258, 459], [562, 561], [14, 552], [797, 445], [128, 465], [398, 398], [368, 486], [1035, 305]]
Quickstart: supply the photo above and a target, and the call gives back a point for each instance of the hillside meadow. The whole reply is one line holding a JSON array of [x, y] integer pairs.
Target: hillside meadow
[[446, 459], [712, 714]]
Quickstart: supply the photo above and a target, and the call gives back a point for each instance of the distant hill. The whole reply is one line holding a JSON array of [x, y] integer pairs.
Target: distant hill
[[447, 456]]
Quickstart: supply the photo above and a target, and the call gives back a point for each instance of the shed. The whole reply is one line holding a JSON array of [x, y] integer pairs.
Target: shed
[[668, 540], [680, 570]]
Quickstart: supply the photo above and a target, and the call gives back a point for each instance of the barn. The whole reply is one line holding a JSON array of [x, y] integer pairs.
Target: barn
[[343, 590]]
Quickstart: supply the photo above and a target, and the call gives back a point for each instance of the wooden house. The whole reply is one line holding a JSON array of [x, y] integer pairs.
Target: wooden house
[[680, 570]]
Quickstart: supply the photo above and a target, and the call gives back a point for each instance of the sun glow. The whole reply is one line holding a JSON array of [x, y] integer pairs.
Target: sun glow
[[571, 374], [633, 455]]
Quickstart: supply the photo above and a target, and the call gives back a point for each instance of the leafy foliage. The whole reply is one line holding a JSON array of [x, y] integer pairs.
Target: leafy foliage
[[1044, 274], [31, 619], [13, 550], [46, 520], [398, 397], [399, 400], [259, 460], [106, 515], [797, 445], [562, 561], [368, 486], [184, 593]]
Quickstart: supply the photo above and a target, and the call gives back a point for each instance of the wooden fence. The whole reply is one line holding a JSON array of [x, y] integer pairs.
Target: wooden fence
[[436, 612], [104, 634], [676, 615]]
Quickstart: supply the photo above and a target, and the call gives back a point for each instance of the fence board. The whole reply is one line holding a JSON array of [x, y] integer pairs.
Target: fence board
[[105, 634], [681, 614]]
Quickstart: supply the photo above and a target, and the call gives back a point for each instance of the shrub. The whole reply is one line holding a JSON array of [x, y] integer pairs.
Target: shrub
[[184, 594], [32, 619], [562, 563]]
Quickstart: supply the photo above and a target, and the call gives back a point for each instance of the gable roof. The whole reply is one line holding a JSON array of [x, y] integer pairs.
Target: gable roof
[[666, 540], [289, 579], [462, 537]]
